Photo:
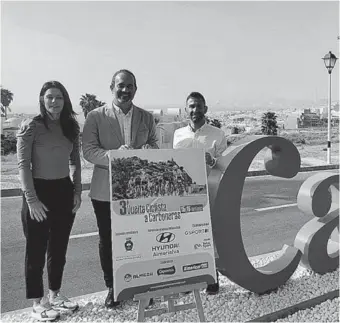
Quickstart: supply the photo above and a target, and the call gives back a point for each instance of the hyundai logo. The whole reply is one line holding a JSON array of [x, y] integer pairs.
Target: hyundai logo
[[165, 237]]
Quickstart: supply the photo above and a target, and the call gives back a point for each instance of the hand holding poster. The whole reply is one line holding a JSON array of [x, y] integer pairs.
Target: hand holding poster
[[161, 227]]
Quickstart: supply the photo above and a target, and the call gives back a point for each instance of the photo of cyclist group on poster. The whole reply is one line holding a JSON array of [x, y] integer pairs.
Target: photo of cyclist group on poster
[[134, 178]]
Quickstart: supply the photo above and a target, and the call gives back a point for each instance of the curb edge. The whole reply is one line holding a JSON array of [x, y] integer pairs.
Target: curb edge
[[11, 192], [283, 313], [302, 170]]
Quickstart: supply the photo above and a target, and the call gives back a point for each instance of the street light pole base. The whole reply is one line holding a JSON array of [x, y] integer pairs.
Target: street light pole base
[[329, 154]]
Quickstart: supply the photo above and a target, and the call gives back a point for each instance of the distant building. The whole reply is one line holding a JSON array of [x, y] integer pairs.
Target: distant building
[[291, 122], [310, 119], [157, 113], [167, 116], [165, 132], [323, 111], [11, 126], [172, 114]]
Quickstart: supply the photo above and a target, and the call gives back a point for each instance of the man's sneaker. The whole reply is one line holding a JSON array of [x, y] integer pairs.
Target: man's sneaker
[[44, 312], [62, 303]]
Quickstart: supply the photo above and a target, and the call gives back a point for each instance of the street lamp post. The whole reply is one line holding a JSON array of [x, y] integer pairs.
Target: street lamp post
[[329, 60]]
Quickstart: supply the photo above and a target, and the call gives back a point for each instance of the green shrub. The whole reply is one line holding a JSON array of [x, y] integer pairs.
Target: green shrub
[[8, 145], [235, 130]]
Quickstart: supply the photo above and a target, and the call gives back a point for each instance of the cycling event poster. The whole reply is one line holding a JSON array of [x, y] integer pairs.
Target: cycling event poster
[[160, 215]]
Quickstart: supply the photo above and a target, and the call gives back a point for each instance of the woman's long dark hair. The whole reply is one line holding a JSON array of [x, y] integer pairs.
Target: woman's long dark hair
[[68, 122]]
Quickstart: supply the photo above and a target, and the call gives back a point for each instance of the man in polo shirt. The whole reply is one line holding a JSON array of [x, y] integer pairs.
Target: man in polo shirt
[[199, 134]]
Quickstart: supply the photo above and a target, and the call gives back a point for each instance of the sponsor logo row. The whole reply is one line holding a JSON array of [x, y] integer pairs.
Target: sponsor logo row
[[166, 271], [167, 237], [167, 246], [133, 232]]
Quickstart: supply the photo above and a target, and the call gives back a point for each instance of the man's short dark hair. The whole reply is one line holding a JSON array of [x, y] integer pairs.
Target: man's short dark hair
[[125, 72], [197, 96]]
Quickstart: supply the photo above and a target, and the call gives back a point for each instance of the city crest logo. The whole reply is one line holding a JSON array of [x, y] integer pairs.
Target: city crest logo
[[128, 244]]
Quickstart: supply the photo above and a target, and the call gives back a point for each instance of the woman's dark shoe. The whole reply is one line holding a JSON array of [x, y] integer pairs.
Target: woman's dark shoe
[[109, 301], [213, 289]]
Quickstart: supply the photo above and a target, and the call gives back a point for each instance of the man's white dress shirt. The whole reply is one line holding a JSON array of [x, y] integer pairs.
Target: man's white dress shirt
[[208, 137], [124, 121]]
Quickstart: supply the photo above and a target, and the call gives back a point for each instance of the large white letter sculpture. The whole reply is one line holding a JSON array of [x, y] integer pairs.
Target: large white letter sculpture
[[311, 242]]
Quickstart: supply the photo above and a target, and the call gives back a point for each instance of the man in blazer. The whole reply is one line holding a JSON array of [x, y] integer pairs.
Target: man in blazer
[[120, 126]]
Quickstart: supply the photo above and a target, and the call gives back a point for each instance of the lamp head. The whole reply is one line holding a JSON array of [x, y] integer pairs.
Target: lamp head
[[330, 60]]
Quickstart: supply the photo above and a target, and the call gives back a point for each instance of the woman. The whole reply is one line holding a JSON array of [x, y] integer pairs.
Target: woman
[[46, 147]]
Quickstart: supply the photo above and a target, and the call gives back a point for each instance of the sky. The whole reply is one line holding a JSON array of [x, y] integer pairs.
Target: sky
[[236, 53]]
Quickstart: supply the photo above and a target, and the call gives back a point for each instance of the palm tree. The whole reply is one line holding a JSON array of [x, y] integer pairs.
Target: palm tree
[[6, 99], [88, 102], [269, 124]]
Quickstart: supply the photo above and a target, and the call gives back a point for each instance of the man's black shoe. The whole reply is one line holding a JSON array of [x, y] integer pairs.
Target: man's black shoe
[[109, 302], [151, 302], [213, 289]]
